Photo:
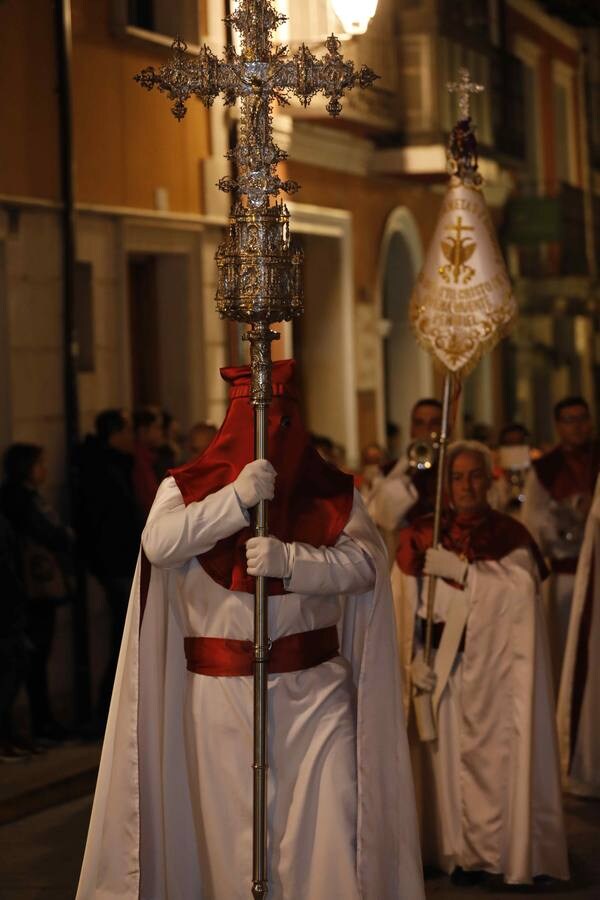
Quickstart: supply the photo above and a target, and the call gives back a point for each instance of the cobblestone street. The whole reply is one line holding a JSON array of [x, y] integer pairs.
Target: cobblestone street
[[40, 857]]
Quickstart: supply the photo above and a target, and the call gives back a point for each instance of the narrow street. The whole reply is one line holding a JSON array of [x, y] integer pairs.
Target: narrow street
[[40, 857]]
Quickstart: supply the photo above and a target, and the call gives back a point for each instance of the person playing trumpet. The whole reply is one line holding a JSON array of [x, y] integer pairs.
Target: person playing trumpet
[[408, 490]]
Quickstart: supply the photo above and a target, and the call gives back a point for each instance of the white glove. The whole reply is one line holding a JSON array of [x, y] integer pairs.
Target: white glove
[[445, 564], [255, 482], [268, 556], [422, 676]]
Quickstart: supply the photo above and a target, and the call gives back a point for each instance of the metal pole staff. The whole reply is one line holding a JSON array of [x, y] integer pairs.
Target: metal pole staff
[[259, 272], [260, 337], [437, 516]]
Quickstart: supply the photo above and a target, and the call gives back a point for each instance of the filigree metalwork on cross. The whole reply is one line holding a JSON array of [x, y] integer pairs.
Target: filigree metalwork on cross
[[464, 87], [259, 271], [461, 152]]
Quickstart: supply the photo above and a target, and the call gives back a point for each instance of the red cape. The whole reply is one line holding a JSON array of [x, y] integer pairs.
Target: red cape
[[313, 499], [565, 473], [486, 535]]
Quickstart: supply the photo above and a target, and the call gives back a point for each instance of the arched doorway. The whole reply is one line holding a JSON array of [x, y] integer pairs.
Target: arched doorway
[[407, 370]]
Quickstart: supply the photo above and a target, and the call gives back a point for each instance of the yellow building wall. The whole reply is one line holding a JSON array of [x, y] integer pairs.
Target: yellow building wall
[[29, 160], [370, 200], [126, 142]]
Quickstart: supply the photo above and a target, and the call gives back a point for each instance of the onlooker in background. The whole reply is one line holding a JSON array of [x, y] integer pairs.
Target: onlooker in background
[[13, 663], [168, 454], [148, 433], [373, 462], [558, 496], [483, 433], [512, 461], [110, 524], [46, 563], [514, 435], [200, 436]]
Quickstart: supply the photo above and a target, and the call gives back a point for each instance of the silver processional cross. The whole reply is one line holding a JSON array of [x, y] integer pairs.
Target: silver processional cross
[[259, 270]]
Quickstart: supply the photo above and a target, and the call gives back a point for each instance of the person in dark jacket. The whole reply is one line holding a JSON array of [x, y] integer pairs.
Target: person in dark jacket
[[45, 547], [109, 524], [13, 664], [148, 438]]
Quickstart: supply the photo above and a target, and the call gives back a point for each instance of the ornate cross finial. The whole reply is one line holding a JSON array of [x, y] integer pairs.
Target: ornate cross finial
[[464, 87], [259, 272], [462, 145], [258, 75]]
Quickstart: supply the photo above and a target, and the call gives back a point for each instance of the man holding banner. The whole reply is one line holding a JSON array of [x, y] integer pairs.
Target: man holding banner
[[466, 585], [490, 790]]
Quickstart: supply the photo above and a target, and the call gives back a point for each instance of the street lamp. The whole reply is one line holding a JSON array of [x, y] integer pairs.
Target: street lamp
[[354, 15]]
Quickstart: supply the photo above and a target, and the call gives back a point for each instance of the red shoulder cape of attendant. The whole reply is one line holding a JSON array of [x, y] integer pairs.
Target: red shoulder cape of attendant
[[489, 535], [313, 499], [564, 474]]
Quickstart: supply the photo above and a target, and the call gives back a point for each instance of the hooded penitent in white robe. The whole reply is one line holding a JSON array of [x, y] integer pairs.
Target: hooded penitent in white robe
[[579, 697], [172, 815], [489, 786]]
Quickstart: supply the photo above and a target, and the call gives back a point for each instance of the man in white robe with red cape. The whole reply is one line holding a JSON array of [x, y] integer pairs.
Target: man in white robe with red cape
[[172, 815], [489, 783], [558, 494], [579, 696]]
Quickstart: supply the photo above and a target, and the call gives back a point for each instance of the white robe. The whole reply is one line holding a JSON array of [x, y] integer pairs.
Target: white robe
[[390, 501], [540, 516], [581, 763], [172, 811], [490, 785]]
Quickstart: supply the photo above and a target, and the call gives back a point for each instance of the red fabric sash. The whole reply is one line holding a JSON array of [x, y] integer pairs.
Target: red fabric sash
[[566, 473], [232, 658], [486, 535], [313, 499]]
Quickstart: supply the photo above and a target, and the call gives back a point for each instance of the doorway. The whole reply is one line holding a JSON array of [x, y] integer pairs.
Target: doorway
[[407, 369], [158, 285]]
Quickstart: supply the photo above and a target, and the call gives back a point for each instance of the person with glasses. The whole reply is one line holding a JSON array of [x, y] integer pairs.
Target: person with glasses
[[558, 495]]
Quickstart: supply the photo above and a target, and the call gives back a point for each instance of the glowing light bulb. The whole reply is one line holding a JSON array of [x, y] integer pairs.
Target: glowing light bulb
[[354, 15]]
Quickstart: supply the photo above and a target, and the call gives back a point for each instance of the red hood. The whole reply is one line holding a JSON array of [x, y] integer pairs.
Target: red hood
[[313, 499]]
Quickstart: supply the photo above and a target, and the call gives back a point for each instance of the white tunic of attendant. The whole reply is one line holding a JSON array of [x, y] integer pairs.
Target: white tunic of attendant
[[490, 784], [338, 770], [390, 501], [540, 518], [581, 763]]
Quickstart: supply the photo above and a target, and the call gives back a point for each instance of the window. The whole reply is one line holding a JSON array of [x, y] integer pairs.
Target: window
[[414, 84], [561, 126], [564, 124], [170, 18], [308, 21]]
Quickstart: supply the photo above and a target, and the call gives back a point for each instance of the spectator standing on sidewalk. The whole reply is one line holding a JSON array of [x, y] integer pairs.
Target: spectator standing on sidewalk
[[45, 548], [109, 525], [13, 664], [148, 432]]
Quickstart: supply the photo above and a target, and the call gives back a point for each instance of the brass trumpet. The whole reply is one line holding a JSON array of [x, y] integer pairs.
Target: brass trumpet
[[423, 453]]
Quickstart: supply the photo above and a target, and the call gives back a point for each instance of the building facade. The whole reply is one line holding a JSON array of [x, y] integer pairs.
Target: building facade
[[148, 217]]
